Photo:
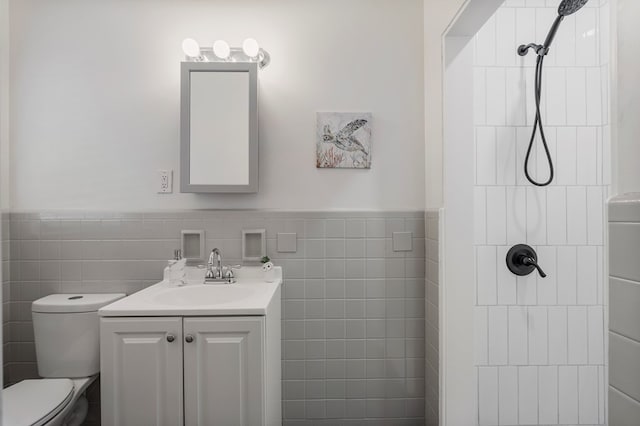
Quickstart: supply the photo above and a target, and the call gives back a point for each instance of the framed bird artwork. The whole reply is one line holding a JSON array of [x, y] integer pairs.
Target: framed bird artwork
[[343, 140]]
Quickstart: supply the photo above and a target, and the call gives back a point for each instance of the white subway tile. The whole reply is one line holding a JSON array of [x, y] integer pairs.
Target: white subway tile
[[595, 324], [566, 162], [594, 97], [496, 97], [506, 280], [599, 154], [536, 215], [557, 335], [516, 91], [567, 285], [556, 97], [586, 153], [496, 215], [586, 37], [488, 396], [479, 96], [601, 277], [538, 349], [576, 97], [576, 215], [556, 215], [518, 335], [485, 156], [528, 395], [568, 395], [605, 28], [506, 156], [486, 275], [595, 216], [508, 395], [587, 278], [548, 287], [577, 335], [526, 289], [602, 398], [548, 395], [486, 44], [588, 395], [480, 347], [531, 103], [498, 353], [606, 155], [480, 215], [505, 37], [516, 214]]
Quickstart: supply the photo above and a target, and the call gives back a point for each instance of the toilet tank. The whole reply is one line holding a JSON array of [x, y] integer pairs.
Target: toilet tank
[[67, 333]]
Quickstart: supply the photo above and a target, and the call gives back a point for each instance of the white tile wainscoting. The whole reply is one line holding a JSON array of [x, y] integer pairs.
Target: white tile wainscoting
[[353, 308], [539, 343]]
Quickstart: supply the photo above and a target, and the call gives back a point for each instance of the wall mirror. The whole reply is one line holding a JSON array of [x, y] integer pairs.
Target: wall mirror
[[219, 127]]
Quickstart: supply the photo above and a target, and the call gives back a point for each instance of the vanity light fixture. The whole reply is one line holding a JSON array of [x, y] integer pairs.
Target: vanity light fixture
[[191, 48], [222, 52], [221, 49], [250, 47]]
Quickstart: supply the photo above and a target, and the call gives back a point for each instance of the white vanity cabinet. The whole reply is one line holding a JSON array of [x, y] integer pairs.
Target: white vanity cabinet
[[195, 355], [204, 371], [141, 381]]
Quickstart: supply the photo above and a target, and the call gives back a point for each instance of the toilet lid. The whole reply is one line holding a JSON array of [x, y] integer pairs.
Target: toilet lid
[[34, 402]]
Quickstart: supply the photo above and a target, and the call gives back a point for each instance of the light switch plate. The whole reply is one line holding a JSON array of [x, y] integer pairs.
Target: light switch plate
[[402, 241], [287, 242]]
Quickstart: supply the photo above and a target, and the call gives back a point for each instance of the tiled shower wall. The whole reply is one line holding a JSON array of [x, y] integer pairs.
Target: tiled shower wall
[[353, 308], [432, 397], [539, 343], [4, 237]]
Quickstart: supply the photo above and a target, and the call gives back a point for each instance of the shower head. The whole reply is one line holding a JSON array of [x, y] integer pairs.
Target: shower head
[[569, 7]]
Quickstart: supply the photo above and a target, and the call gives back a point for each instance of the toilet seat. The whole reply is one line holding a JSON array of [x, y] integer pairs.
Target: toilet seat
[[35, 402]]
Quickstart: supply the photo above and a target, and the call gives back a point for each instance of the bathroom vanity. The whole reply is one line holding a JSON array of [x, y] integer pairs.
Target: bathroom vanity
[[206, 354]]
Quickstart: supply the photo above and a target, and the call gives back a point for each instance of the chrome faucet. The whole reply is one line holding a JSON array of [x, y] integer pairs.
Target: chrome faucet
[[214, 272]]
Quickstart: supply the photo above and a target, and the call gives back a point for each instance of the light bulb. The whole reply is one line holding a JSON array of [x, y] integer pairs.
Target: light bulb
[[221, 49], [191, 48], [251, 47]]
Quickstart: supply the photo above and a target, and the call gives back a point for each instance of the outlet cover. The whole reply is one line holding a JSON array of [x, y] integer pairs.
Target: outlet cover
[[165, 181]]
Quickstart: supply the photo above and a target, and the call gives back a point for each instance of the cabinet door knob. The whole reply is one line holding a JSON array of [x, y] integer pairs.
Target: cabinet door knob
[[170, 338], [189, 338]]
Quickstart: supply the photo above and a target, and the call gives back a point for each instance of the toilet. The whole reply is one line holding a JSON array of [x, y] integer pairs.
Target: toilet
[[67, 338]]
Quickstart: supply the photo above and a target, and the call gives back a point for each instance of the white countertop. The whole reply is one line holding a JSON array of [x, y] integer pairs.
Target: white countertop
[[251, 295]]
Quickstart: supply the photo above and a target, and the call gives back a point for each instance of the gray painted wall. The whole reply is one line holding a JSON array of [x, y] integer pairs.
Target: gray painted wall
[[353, 308]]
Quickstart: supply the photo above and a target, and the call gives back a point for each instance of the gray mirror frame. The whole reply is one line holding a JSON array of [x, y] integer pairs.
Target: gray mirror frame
[[185, 131]]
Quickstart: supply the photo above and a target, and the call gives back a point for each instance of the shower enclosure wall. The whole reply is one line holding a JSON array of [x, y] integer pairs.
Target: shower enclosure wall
[[539, 345]]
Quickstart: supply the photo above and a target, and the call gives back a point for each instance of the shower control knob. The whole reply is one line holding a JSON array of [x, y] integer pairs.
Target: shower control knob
[[522, 260], [170, 338], [189, 338]]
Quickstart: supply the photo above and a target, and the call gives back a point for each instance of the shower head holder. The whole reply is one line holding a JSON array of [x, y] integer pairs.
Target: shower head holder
[[540, 50]]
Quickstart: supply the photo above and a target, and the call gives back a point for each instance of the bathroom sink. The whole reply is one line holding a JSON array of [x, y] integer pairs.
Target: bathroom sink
[[250, 295], [205, 294]]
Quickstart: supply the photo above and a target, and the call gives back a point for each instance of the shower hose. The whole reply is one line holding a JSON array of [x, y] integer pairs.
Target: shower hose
[[538, 124]]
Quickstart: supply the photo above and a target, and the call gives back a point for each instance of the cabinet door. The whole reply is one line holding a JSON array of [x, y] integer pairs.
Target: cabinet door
[[224, 371], [141, 371]]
